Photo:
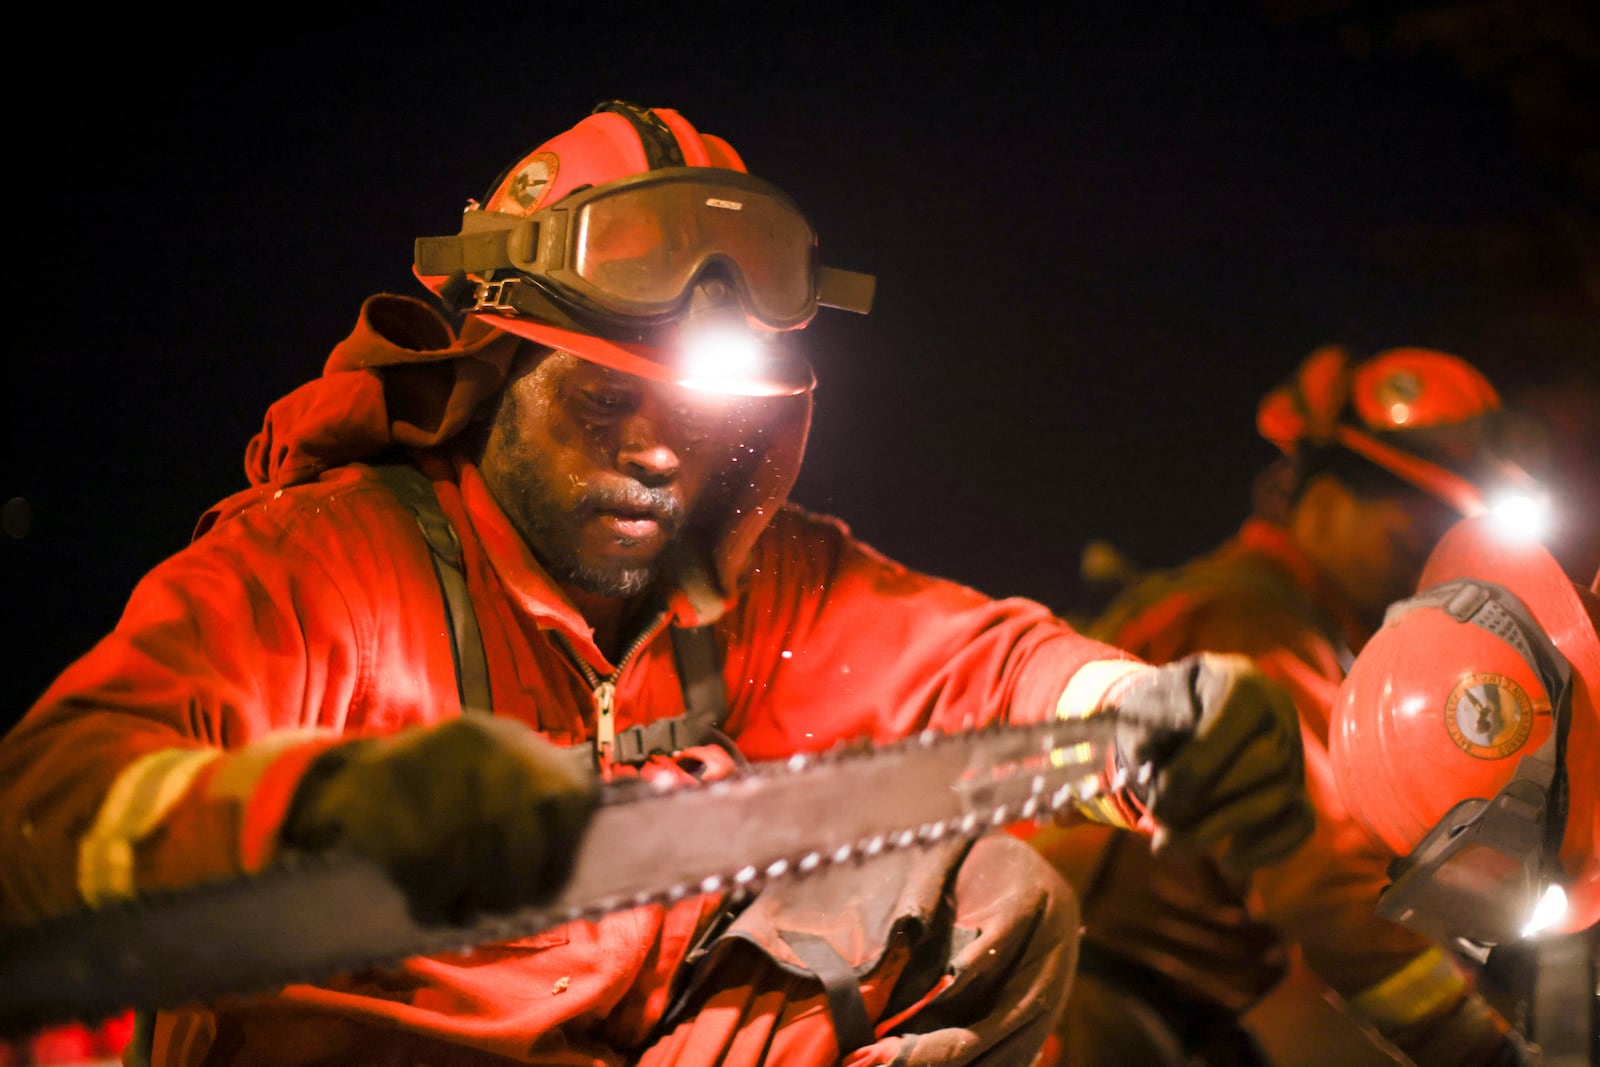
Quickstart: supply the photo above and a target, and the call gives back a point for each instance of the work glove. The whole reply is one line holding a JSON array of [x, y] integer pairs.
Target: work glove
[[478, 814], [1212, 749]]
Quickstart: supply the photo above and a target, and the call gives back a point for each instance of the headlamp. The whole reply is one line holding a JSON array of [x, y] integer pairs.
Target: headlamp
[[718, 360], [1521, 515]]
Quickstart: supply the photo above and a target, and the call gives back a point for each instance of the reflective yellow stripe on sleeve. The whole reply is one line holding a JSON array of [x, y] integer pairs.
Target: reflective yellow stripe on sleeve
[[138, 799], [246, 765], [1086, 690], [1085, 694], [1421, 988]]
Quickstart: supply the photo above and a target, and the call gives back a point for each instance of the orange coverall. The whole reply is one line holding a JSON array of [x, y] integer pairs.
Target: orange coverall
[[308, 610]]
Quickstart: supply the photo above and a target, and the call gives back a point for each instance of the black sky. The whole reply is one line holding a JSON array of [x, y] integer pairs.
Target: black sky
[[1099, 235]]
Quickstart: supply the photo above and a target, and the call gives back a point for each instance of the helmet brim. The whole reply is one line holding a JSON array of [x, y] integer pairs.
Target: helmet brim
[[788, 375]]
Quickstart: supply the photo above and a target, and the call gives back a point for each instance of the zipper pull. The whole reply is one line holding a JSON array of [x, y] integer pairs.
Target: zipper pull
[[605, 723]]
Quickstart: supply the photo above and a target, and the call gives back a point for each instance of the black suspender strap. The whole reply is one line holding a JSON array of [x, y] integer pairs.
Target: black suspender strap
[[413, 489], [705, 701], [839, 983], [694, 647]]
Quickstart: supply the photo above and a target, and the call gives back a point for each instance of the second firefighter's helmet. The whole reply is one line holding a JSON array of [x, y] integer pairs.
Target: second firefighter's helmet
[[1428, 417]]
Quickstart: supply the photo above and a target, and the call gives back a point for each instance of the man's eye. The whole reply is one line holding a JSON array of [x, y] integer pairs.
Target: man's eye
[[607, 402]]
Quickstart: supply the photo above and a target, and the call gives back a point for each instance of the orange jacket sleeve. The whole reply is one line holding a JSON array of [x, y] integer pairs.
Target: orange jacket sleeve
[[167, 753]]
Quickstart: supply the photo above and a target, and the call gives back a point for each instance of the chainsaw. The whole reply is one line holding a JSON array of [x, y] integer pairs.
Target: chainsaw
[[314, 916]]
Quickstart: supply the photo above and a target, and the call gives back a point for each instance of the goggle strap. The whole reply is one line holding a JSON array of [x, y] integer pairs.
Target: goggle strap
[[465, 253], [515, 297], [847, 290]]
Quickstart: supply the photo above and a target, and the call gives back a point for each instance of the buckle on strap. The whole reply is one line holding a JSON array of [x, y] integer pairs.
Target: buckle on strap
[[638, 743], [496, 296]]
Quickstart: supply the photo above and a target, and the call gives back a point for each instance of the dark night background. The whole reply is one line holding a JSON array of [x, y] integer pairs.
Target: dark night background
[[1100, 233]]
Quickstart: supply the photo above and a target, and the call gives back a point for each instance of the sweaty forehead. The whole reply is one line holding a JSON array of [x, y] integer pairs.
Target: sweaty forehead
[[556, 366]]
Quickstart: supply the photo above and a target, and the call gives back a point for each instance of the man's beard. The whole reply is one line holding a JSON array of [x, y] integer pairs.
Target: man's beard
[[607, 582], [553, 533]]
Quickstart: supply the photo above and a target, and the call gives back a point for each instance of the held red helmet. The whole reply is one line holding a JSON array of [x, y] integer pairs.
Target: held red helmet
[[630, 240], [1465, 737], [1424, 416]]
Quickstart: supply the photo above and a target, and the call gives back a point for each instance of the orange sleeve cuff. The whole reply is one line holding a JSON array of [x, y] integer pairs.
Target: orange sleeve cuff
[[1089, 692], [268, 788]]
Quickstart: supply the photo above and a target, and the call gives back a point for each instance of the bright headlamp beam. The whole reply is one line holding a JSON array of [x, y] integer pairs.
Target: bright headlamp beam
[[1551, 908], [1521, 516], [722, 360]]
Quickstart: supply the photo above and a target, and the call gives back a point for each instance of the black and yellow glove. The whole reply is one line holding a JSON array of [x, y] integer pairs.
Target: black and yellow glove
[[477, 814], [1212, 750]]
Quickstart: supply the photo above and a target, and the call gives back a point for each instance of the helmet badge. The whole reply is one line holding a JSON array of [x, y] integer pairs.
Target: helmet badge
[[1489, 716], [533, 180]]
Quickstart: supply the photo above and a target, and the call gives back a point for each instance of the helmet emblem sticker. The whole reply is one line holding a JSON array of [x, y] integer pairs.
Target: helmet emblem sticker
[[1489, 716], [528, 185], [1401, 387]]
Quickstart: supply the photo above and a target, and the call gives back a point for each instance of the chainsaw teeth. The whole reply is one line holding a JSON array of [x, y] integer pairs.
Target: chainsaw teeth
[[92, 964], [1045, 797]]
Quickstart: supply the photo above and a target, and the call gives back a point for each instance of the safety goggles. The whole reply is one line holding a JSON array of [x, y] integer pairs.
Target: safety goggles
[[633, 250], [1476, 879]]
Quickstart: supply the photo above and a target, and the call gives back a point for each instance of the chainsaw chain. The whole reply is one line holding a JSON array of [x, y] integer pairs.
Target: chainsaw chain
[[1025, 781], [1034, 796]]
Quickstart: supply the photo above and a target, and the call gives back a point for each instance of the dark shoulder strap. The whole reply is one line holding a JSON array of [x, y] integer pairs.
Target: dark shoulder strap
[[705, 698], [694, 647], [413, 489], [840, 984], [705, 701]]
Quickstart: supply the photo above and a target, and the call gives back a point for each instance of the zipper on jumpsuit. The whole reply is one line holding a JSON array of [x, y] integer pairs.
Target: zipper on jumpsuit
[[604, 690]]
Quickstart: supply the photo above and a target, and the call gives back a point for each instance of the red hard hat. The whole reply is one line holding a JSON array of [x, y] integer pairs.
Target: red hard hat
[[1420, 414], [1436, 711], [608, 237], [603, 147]]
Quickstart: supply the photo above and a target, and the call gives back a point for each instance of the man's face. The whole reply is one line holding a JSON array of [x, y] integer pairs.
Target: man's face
[[1382, 543], [601, 471]]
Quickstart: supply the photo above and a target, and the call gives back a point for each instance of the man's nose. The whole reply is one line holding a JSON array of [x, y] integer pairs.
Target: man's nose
[[643, 449]]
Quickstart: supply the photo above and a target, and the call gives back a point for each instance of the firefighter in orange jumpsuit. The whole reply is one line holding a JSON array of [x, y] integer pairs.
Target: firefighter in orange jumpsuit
[[1379, 457], [558, 527], [1465, 739]]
